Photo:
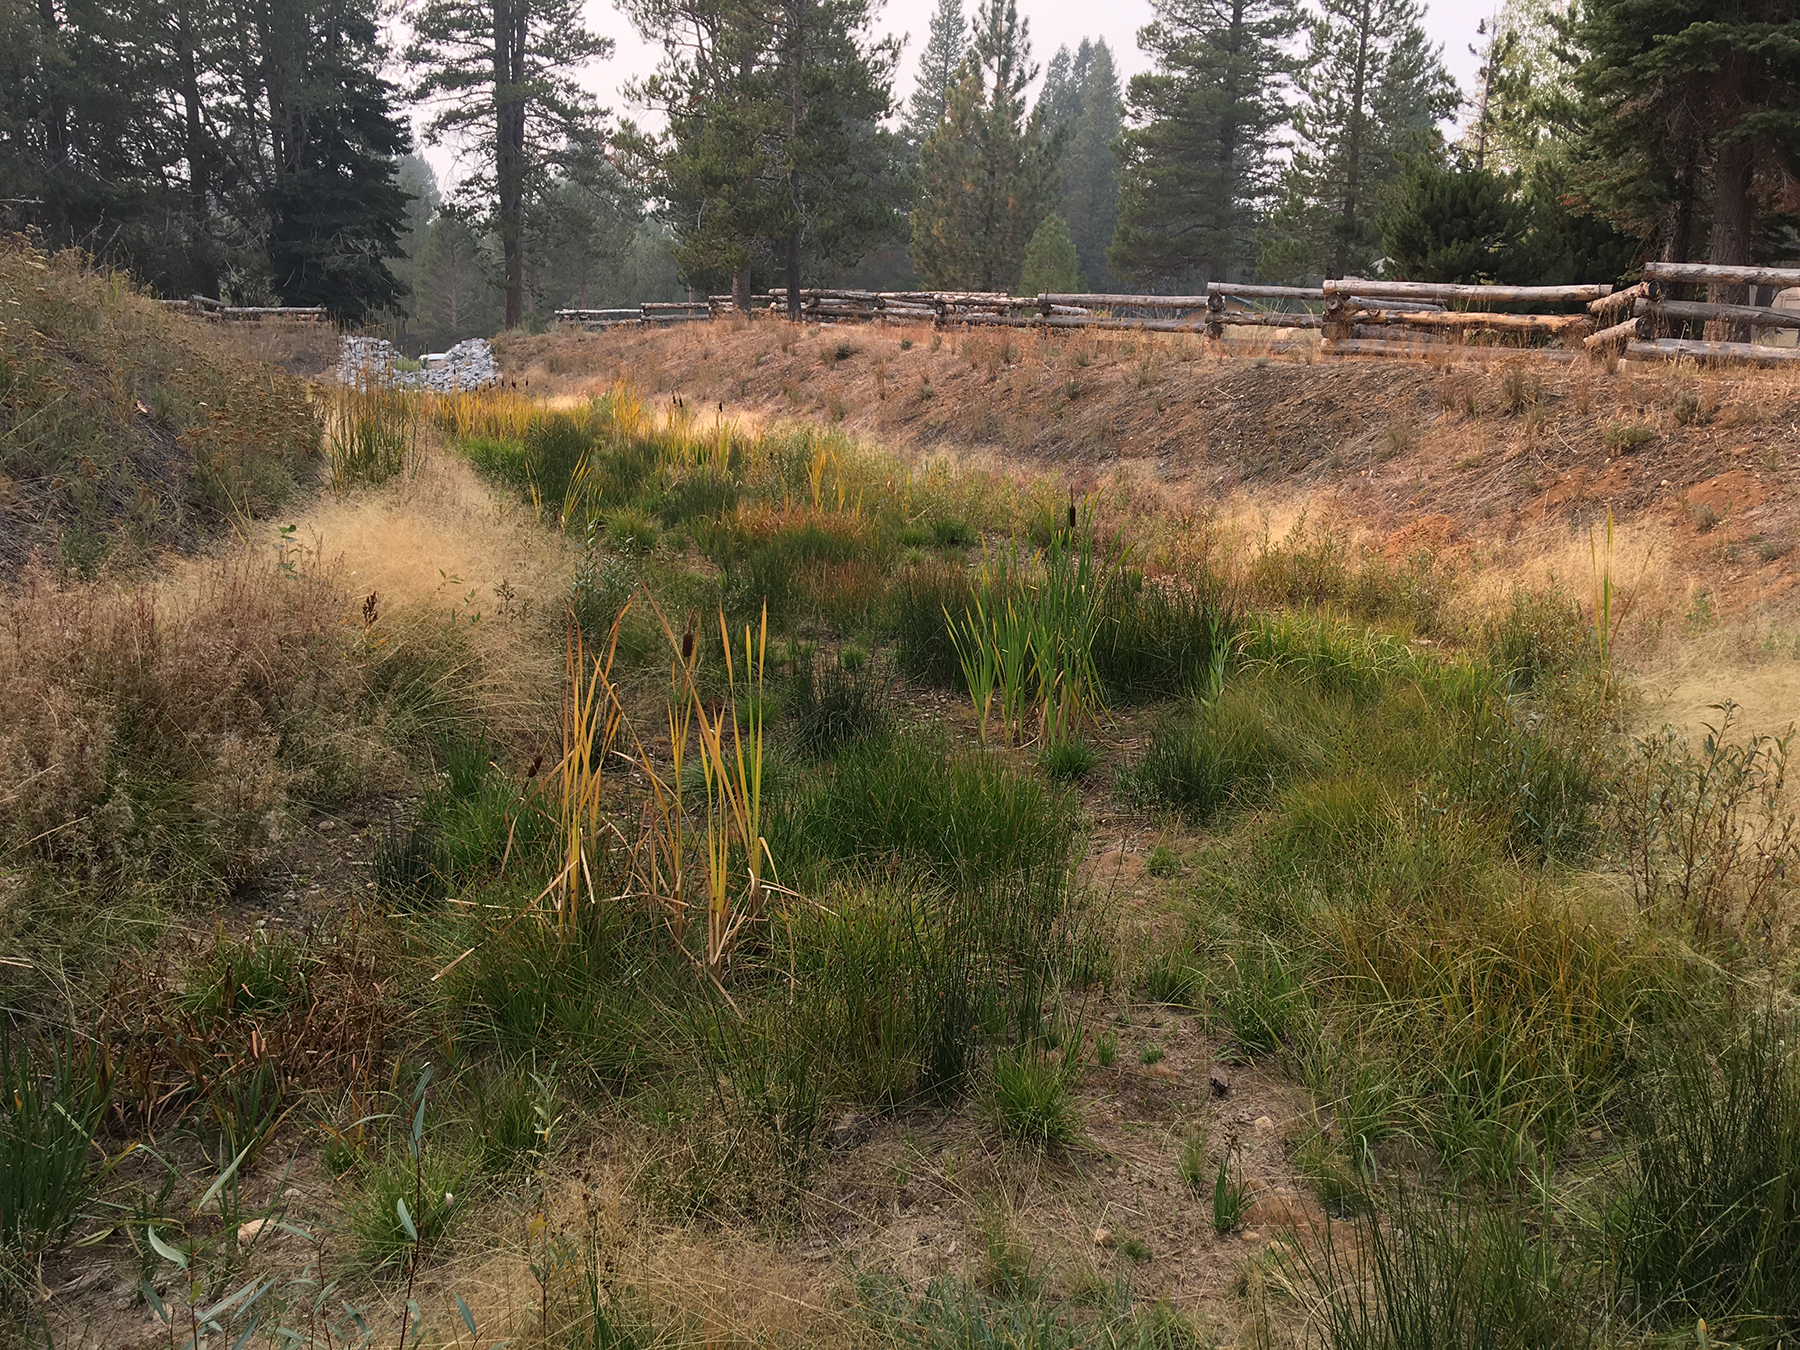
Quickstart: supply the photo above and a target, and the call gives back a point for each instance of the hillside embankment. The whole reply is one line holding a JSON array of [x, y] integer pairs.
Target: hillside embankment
[[1677, 484]]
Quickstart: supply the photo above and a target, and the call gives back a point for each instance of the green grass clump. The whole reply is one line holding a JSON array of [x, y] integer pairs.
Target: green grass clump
[[1030, 1100], [1216, 756], [471, 819], [1162, 638], [265, 975], [530, 988], [1230, 1196], [965, 820], [1070, 760], [431, 1195], [952, 1315], [917, 602], [1438, 1272], [1709, 1223], [836, 703], [51, 1105]]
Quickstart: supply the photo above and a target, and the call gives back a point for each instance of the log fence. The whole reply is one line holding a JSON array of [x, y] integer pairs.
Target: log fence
[[1354, 316], [205, 307]]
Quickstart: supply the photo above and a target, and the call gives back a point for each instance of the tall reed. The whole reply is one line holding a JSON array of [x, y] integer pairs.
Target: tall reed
[[590, 725], [372, 433]]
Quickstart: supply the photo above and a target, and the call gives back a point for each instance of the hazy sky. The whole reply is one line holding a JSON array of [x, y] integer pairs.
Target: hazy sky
[[1053, 23]]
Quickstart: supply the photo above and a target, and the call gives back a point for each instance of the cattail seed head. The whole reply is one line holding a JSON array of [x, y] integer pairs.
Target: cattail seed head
[[687, 645], [1071, 512]]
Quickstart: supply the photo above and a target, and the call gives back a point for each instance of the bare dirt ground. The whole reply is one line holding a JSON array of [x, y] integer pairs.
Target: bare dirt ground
[[1510, 470]]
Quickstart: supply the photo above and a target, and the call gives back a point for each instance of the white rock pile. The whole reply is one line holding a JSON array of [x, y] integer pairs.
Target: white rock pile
[[470, 364]]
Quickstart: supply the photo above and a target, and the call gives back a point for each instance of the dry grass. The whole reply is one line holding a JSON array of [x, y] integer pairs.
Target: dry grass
[[174, 724]]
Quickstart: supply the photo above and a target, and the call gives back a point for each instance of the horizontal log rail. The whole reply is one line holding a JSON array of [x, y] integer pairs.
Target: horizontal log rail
[[1741, 353], [1428, 350], [1723, 274], [1462, 318], [1248, 292], [1267, 318], [1433, 290], [1697, 309]]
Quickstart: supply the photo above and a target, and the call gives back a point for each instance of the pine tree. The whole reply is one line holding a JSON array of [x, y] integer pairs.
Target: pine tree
[[1528, 114], [834, 171], [1458, 222], [945, 46], [1372, 90], [454, 294], [1060, 97], [988, 171], [774, 142], [1195, 167], [325, 181], [1685, 102], [500, 73], [704, 165], [1050, 261], [1090, 183]]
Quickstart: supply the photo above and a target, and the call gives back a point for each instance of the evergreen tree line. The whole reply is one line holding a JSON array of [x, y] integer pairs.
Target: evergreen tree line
[[257, 149]]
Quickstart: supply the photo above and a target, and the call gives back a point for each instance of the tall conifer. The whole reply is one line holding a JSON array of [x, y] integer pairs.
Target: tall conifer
[[1195, 164]]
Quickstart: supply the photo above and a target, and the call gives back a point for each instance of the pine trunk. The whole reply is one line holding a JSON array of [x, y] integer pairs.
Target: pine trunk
[[510, 24], [1733, 212]]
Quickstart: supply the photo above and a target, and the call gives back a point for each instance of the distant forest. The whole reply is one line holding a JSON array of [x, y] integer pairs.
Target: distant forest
[[263, 150]]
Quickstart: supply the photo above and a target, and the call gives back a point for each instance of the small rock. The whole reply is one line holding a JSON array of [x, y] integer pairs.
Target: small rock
[[1221, 1085], [1103, 1237], [1251, 1235], [1264, 1123], [1596, 1135], [249, 1232]]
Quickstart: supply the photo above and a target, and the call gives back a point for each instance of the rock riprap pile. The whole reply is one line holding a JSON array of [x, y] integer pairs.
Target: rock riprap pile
[[470, 364]]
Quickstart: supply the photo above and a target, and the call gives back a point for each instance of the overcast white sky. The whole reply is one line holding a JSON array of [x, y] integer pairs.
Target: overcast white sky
[[1053, 23]]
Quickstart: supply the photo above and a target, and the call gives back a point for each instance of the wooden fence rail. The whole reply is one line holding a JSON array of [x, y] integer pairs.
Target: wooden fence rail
[[205, 307], [1355, 316]]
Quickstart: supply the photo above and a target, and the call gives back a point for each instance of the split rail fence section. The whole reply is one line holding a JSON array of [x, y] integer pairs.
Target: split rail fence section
[[1355, 317], [205, 307]]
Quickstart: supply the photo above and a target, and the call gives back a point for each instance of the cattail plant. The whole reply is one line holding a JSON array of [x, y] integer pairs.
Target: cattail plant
[[590, 724], [372, 432]]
